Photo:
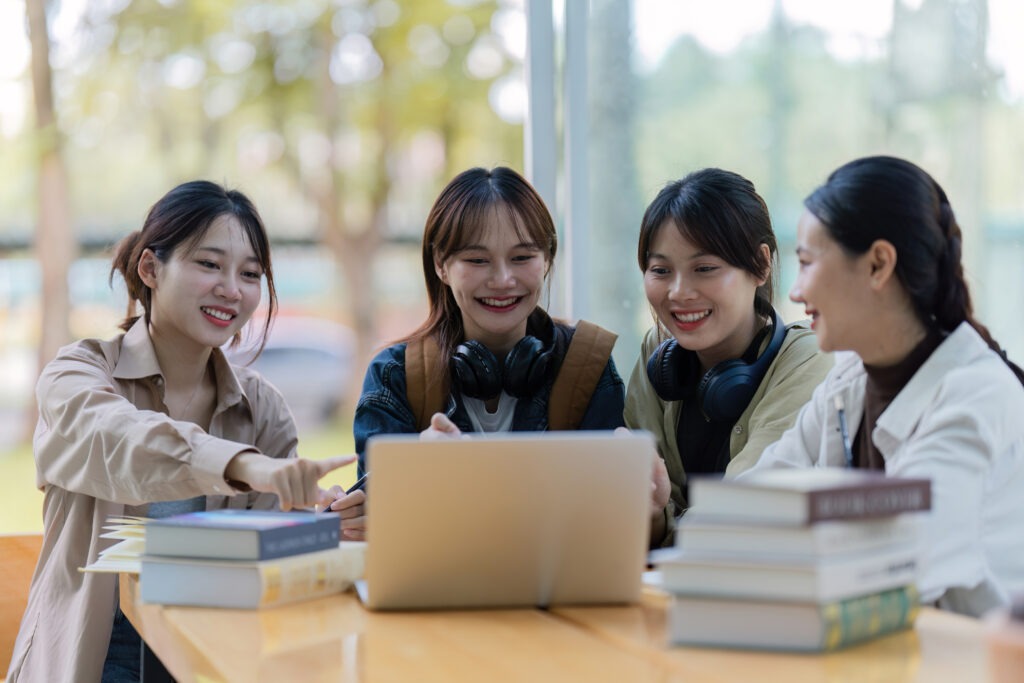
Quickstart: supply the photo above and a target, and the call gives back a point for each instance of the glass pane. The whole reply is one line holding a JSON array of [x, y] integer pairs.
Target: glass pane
[[785, 91]]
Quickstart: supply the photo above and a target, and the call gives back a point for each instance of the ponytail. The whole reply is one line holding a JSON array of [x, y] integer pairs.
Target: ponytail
[[126, 262], [952, 305]]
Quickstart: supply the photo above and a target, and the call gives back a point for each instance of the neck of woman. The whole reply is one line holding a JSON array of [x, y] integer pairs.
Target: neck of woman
[[892, 339]]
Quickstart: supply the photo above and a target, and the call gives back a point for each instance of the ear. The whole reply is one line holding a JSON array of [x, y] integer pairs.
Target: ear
[[149, 267], [766, 259], [881, 258], [442, 274]]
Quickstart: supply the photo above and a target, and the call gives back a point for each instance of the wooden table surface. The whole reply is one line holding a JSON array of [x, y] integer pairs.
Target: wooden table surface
[[336, 639]]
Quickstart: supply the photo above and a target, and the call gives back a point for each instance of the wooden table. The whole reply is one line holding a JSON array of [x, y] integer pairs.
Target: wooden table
[[336, 639]]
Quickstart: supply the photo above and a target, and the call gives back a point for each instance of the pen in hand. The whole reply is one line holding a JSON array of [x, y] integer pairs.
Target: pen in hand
[[358, 486], [844, 431]]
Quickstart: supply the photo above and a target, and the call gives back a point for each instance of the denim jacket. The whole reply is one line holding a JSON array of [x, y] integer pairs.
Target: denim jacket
[[384, 408]]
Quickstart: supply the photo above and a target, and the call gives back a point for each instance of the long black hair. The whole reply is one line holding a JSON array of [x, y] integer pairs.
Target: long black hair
[[891, 199]]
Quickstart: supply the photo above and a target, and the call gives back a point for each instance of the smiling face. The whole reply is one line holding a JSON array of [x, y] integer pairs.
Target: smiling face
[[202, 296], [496, 281], [704, 302], [834, 289]]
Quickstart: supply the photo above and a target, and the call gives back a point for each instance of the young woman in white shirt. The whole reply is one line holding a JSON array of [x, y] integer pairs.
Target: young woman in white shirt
[[928, 392]]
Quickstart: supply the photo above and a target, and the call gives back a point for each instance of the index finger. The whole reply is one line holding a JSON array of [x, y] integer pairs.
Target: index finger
[[330, 464]]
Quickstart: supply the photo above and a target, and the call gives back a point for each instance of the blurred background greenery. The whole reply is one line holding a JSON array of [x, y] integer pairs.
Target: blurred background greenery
[[342, 119]]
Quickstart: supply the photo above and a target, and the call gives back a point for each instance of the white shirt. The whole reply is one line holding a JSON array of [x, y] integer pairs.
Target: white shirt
[[498, 421], [959, 421]]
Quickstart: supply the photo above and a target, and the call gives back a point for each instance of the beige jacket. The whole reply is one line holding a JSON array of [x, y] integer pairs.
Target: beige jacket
[[104, 441], [787, 386]]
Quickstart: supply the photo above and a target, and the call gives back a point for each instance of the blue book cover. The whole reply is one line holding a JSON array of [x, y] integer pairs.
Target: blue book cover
[[242, 534]]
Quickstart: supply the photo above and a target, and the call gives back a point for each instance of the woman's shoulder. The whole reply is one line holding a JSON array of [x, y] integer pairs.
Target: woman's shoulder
[[395, 353], [102, 353], [972, 371], [801, 346], [653, 337], [386, 370]]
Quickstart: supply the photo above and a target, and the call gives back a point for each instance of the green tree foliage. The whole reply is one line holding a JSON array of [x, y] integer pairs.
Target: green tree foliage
[[342, 118]]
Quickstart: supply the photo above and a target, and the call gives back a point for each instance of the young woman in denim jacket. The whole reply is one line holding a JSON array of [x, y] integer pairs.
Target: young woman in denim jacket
[[928, 393], [488, 248]]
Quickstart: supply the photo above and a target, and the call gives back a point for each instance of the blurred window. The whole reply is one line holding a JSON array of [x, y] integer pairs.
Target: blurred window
[[783, 92]]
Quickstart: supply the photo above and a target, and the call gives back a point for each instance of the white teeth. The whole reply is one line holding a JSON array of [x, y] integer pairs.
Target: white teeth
[[498, 302], [219, 315], [691, 317]]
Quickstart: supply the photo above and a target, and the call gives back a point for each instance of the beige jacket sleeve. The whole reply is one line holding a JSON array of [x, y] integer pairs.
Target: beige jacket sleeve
[[276, 433], [787, 386], [93, 440], [647, 411]]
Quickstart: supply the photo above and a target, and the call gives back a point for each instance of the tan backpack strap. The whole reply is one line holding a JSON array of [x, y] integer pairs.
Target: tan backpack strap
[[424, 381], [584, 363]]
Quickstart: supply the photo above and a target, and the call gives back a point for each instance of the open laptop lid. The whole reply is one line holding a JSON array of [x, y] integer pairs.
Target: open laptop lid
[[509, 519]]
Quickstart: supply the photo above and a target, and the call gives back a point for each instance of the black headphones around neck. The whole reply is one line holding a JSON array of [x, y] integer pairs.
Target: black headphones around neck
[[477, 372], [725, 390]]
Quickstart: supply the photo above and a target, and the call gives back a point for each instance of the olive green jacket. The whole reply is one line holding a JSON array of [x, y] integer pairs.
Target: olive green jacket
[[787, 386]]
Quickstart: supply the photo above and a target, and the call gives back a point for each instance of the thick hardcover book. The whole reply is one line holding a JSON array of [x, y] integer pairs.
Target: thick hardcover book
[[805, 496], [242, 534], [812, 579], [248, 585], [703, 535], [796, 626]]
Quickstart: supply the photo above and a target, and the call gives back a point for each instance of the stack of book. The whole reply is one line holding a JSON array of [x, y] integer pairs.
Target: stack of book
[[246, 558], [795, 559]]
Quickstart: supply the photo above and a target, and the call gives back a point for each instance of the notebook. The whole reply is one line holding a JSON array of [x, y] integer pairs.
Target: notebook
[[505, 520]]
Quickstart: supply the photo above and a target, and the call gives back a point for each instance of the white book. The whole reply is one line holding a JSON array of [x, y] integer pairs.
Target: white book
[[780, 577], [249, 584], [706, 535]]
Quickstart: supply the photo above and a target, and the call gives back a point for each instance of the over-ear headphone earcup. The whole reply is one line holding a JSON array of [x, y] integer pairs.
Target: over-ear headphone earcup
[[665, 370], [527, 366], [726, 389], [475, 370]]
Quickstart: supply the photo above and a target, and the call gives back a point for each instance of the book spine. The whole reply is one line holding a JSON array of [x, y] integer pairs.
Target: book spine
[[307, 576], [295, 540], [859, 619], [869, 501]]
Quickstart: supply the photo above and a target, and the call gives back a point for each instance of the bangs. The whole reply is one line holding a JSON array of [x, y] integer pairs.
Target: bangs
[[478, 216]]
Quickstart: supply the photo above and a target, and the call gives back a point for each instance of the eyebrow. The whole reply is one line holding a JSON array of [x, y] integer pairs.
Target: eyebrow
[[480, 247]]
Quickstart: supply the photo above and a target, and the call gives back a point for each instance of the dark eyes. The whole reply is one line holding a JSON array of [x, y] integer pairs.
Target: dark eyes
[[664, 270], [247, 274], [480, 260]]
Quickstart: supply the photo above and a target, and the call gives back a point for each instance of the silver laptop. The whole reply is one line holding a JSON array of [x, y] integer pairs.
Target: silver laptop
[[510, 519]]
